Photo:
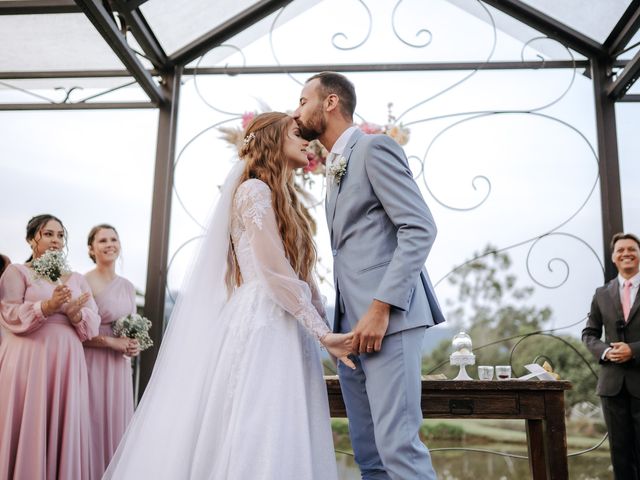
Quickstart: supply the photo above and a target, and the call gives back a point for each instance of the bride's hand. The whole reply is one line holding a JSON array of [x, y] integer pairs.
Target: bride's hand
[[339, 345]]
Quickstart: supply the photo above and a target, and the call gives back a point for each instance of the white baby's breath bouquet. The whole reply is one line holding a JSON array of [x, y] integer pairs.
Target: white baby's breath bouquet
[[134, 326], [51, 265]]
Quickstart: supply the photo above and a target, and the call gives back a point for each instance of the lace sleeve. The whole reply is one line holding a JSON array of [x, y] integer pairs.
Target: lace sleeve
[[253, 203]]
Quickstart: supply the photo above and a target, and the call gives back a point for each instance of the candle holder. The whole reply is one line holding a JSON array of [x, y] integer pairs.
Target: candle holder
[[462, 355]]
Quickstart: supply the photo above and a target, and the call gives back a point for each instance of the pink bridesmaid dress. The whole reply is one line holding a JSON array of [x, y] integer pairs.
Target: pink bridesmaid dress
[[44, 393], [110, 382]]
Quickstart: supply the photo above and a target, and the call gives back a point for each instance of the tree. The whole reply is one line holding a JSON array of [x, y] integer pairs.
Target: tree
[[505, 329]]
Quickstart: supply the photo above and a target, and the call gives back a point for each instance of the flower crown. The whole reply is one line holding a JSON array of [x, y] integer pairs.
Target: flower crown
[[248, 138]]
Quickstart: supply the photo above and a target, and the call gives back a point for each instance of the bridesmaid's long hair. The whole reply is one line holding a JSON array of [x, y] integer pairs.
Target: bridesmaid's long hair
[[35, 225], [263, 153]]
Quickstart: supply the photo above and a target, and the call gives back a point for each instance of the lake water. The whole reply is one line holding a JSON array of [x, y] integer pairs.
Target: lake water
[[464, 465]]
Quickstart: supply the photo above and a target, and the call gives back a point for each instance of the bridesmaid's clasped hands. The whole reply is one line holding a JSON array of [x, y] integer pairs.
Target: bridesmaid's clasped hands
[[61, 295]]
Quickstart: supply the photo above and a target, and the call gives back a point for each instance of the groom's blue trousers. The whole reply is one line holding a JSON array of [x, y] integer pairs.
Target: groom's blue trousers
[[382, 396]]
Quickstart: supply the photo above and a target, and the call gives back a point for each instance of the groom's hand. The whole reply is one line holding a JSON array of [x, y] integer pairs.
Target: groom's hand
[[371, 328]]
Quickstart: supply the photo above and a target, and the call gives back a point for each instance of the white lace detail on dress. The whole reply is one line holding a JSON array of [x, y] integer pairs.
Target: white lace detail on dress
[[260, 253], [253, 198], [308, 316]]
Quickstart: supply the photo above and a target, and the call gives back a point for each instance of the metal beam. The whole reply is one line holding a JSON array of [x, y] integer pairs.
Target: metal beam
[[35, 7], [625, 79], [357, 67], [143, 34], [549, 26], [160, 221], [624, 30], [101, 19], [387, 67], [609, 169], [133, 4], [630, 98], [76, 106], [228, 29], [66, 74]]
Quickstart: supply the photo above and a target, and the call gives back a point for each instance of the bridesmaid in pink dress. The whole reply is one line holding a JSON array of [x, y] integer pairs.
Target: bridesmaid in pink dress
[[44, 419], [4, 263], [110, 382]]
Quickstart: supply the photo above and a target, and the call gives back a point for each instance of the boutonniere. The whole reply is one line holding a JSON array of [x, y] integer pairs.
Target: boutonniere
[[338, 168]]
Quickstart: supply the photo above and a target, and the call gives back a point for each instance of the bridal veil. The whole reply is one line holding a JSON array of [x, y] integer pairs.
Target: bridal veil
[[161, 438]]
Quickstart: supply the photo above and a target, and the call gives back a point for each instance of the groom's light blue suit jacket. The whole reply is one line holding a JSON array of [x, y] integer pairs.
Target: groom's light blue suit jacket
[[381, 233]]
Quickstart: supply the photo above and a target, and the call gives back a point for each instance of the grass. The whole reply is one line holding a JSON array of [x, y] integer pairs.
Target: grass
[[472, 432]]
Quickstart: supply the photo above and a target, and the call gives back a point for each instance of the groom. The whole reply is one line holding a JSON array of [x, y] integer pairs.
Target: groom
[[381, 233]]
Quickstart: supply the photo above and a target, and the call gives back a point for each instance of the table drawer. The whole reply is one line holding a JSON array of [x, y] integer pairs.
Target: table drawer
[[482, 404]]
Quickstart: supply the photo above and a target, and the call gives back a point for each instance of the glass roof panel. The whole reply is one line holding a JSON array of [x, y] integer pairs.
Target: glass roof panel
[[53, 42], [259, 31], [534, 40], [176, 23], [346, 39], [594, 18]]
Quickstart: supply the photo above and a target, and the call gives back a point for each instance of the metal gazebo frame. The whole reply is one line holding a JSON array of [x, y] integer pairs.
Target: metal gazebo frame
[[612, 78]]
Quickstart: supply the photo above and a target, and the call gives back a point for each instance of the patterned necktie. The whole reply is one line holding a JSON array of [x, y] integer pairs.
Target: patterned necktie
[[626, 299]]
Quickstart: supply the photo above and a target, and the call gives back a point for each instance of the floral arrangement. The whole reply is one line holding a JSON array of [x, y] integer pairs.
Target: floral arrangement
[[134, 326], [399, 133], [316, 153], [51, 265]]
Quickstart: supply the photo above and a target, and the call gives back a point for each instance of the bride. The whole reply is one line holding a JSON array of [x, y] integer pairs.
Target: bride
[[237, 391]]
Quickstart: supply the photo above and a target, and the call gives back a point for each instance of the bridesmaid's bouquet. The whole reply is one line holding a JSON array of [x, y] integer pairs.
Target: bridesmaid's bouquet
[[134, 326], [51, 265]]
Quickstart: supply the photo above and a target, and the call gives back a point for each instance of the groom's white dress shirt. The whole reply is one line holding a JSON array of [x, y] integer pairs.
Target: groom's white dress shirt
[[341, 142]]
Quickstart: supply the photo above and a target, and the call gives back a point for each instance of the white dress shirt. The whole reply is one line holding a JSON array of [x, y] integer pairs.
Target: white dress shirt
[[341, 142]]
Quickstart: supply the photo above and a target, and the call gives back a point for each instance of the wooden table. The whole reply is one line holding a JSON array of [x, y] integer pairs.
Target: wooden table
[[540, 403]]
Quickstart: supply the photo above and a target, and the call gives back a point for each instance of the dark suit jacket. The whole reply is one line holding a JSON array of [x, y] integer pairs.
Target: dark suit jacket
[[606, 313]]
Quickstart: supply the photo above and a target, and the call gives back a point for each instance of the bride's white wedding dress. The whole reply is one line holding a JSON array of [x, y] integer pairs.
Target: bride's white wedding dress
[[253, 406]]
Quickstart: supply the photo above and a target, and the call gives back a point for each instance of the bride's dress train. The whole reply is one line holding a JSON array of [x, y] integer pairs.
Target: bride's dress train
[[253, 403]]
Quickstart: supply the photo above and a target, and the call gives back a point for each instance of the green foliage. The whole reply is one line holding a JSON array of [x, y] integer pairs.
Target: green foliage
[[329, 368], [441, 431], [570, 364], [340, 429], [340, 426], [495, 312]]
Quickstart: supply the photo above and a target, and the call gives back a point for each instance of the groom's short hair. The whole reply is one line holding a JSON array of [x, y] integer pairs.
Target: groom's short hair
[[332, 82]]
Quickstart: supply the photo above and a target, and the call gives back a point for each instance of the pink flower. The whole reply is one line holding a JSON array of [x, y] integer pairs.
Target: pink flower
[[399, 133], [246, 118], [313, 163], [367, 127]]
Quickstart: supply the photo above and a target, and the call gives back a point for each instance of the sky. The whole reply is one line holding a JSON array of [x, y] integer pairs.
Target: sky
[[498, 179]]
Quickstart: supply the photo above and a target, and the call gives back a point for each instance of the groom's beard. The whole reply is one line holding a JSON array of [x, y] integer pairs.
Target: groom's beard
[[316, 126]]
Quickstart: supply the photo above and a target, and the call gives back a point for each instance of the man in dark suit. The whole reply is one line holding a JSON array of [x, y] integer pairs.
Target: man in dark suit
[[615, 309]]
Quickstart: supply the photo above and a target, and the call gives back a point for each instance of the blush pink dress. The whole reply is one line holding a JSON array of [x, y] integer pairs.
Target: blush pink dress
[[110, 382], [44, 404]]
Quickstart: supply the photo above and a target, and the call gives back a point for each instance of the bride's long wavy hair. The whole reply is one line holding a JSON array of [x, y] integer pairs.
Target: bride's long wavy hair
[[263, 153]]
